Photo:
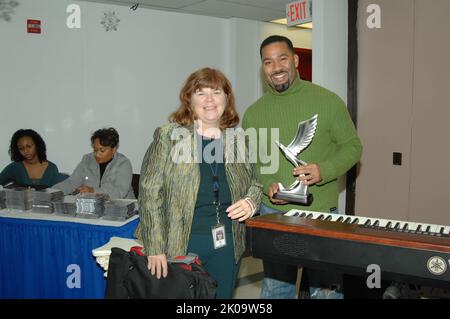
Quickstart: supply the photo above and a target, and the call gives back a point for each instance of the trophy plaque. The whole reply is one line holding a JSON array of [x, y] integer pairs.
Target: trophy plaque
[[297, 192]]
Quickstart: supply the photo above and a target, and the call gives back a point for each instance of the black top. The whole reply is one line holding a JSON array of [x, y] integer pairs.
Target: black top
[[103, 168], [205, 212]]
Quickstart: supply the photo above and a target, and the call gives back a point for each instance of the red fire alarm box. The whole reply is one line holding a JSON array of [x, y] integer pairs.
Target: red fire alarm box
[[33, 26]]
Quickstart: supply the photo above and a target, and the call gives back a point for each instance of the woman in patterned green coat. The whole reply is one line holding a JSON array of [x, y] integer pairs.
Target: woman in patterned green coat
[[196, 182]]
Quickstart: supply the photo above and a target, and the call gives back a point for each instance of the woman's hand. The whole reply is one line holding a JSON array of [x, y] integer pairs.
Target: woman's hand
[[157, 264], [242, 209], [85, 189]]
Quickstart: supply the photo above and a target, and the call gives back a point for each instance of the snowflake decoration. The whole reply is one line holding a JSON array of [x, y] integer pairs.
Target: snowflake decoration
[[110, 21], [6, 8]]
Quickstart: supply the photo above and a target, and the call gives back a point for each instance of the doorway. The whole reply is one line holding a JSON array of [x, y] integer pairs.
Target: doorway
[[305, 63]]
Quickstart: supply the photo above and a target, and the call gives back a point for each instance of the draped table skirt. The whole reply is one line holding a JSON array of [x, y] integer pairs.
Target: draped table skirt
[[53, 258]]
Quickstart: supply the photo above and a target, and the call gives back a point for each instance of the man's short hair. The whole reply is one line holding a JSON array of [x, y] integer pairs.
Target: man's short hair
[[273, 39]]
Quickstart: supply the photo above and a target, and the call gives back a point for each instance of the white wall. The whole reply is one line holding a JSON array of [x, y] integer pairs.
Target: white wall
[[66, 83], [330, 42], [244, 62]]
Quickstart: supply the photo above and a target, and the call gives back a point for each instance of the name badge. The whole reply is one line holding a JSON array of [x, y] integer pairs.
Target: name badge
[[218, 235]]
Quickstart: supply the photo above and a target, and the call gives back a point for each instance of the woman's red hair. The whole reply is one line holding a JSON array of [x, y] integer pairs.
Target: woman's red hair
[[205, 78]]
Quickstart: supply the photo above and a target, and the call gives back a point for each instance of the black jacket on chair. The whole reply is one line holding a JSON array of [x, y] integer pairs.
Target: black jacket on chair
[[129, 277]]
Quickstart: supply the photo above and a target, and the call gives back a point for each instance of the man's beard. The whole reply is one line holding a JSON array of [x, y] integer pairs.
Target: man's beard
[[281, 87]]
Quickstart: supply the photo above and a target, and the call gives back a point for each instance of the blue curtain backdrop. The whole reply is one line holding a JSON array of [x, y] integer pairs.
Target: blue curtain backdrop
[[35, 255]]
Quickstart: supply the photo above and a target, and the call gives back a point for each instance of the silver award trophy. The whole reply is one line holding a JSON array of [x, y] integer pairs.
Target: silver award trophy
[[297, 192]]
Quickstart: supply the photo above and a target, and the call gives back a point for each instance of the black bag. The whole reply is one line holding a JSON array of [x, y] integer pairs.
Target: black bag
[[129, 277]]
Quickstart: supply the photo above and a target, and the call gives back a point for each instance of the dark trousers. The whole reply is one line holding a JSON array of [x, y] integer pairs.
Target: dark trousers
[[220, 262]]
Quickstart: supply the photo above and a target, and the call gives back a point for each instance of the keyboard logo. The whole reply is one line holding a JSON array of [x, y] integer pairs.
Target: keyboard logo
[[436, 265]]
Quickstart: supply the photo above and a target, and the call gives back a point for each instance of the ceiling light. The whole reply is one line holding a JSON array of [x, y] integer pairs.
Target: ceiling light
[[308, 25]]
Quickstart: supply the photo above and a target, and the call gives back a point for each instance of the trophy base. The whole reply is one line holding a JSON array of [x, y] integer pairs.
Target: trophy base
[[294, 198]]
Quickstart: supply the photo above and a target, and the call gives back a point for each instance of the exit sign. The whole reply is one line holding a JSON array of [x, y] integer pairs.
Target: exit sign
[[299, 12], [33, 26]]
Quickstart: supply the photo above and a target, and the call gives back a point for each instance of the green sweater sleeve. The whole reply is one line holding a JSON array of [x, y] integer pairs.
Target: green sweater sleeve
[[258, 187], [348, 147]]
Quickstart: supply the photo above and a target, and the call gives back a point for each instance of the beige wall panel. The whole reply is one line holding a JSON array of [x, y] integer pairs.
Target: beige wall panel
[[385, 67], [430, 154]]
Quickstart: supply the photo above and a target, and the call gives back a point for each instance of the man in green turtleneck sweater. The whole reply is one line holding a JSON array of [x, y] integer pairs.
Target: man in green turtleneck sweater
[[334, 149]]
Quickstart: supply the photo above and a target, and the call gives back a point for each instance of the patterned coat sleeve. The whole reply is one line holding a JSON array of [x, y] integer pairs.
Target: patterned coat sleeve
[[151, 198], [256, 188]]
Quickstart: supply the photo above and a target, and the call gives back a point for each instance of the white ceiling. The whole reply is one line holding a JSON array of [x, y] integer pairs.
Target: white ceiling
[[261, 10]]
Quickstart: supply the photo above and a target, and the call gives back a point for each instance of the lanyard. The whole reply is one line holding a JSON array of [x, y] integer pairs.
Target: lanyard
[[215, 186]]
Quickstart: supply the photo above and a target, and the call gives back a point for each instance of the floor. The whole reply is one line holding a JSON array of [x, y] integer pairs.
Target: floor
[[249, 279]]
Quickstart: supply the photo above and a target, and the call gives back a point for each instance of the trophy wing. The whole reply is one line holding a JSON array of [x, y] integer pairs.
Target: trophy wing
[[305, 134]]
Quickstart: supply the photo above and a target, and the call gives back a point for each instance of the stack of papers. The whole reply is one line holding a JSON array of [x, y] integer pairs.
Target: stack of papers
[[66, 207], [120, 209], [2, 198], [20, 198], [43, 200], [91, 205]]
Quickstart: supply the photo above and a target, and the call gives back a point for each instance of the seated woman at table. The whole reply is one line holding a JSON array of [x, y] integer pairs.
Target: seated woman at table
[[29, 161], [103, 171]]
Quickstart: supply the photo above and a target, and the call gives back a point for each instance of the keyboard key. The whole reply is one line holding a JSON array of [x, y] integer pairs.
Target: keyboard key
[[447, 231]]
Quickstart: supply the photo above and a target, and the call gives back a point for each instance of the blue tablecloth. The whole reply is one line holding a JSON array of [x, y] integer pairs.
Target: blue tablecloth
[[39, 258]]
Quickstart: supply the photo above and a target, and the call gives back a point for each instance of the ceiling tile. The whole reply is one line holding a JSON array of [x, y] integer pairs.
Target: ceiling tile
[[227, 9], [278, 5], [163, 4], [261, 10]]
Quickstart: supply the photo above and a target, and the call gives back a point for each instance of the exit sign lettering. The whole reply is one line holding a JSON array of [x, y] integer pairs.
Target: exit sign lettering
[[299, 12]]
